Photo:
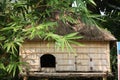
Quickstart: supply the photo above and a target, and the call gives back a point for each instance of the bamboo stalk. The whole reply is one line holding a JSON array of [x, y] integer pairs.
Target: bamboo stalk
[[25, 78], [104, 78]]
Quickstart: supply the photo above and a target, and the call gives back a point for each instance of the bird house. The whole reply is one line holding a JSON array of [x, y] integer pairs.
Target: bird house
[[92, 59]]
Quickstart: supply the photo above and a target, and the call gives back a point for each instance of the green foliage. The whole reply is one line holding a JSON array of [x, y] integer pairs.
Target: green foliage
[[114, 64], [40, 30], [112, 23], [84, 13], [26, 19], [13, 66], [64, 41]]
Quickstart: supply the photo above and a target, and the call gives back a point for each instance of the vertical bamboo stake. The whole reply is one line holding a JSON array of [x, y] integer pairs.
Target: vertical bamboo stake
[[104, 78], [25, 78]]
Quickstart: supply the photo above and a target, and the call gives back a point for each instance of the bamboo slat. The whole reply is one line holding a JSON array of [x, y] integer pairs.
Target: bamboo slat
[[97, 51], [68, 74]]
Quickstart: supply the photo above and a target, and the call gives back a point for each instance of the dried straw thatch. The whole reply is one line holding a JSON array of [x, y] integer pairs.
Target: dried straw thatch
[[88, 32]]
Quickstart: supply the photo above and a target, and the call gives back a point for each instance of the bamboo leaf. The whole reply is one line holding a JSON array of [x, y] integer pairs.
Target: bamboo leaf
[[92, 1], [71, 34], [2, 66], [2, 38]]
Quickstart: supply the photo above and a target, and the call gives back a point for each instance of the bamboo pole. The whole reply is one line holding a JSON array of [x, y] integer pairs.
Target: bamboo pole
[[25, 78], [104, 78]]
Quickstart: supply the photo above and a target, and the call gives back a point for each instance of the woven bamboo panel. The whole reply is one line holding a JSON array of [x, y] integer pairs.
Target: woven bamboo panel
[[65, 67], [96, 56], [94, 68], [66, 62], [97, 51], [28, 50], [28, 44], [48, 70], [93, 62], [34, 68], [64, 56], [30, 56], [43, 47], [47, 44], [32, 62], [82, 68], [91, 50], [93, 43]]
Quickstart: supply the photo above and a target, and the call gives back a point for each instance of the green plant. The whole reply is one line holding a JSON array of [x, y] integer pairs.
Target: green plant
[[21, 19]]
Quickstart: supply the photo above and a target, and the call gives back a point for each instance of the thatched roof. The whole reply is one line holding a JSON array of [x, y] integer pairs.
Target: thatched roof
[[88, 32]]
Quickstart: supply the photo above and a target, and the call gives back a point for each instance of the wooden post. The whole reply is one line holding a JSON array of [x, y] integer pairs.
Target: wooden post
[[25, 78], [104, 78]]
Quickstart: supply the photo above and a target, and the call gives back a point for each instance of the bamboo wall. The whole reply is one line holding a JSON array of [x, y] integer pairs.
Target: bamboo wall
[[91, 56]]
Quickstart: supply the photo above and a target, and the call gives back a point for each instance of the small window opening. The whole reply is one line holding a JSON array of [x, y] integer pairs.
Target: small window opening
[[47, 60]]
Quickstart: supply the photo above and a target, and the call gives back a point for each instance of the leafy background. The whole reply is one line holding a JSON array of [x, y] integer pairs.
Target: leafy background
[[21, 19]]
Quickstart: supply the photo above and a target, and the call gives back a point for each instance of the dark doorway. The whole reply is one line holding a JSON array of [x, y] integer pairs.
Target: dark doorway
[[47, 60]]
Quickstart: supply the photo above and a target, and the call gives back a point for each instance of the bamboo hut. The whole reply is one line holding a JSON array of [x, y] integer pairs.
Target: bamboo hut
[[91, 60]]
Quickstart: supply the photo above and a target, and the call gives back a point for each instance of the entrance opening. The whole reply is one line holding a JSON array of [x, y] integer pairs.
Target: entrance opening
[[47, 60]]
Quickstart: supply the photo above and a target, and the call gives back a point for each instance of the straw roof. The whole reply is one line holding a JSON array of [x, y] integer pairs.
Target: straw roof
[[88, 32], [92, 33]]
